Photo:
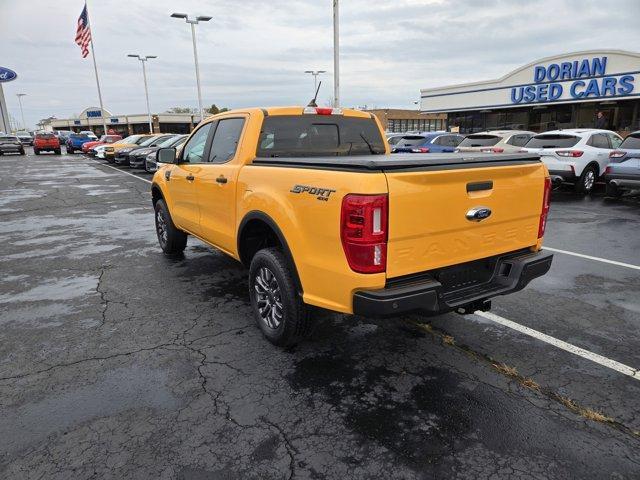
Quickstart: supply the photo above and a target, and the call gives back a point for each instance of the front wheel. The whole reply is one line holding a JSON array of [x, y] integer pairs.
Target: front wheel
[[277, 307], [36, 151], [58, 152], [69, 150], [587, 180], [171, 239], [22, 152]]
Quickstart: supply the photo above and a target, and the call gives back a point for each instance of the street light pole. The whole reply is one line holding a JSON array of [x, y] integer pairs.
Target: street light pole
[[193, 23], [315, 74], [20, 95], [143, 60], [336, 55]]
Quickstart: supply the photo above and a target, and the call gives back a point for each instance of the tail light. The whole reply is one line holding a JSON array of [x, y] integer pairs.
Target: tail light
[[363, 230], [546, 198], [420, 150], [617, 154], [569, 153], [492, 150], [322, 111]]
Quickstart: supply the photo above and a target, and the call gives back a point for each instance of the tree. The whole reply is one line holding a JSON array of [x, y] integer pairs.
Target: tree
[[182, 110], [213, 110]]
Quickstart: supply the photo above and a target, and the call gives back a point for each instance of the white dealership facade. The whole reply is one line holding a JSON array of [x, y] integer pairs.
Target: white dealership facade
[[562, 91]]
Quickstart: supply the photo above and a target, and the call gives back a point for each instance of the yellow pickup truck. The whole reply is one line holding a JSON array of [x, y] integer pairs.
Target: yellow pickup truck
[[310, 200]]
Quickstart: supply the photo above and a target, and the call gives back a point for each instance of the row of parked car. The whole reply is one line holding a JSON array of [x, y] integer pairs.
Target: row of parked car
[[136, 151], [575, 156]]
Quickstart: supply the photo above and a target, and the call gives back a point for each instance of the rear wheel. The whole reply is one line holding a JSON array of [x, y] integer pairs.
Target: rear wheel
[[58, 152], [587, 180], [613, 191], [171, 239], [36, 151], [277, 306]]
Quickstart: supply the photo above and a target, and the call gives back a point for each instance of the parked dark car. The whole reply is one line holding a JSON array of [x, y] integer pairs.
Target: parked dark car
[[137, 157], [150, 163], [432, 142], [623, 172], [25, 138], [122, 155], [11, 144]]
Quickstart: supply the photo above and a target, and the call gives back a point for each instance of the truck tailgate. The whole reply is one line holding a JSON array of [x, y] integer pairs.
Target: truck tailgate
[[428, 209]]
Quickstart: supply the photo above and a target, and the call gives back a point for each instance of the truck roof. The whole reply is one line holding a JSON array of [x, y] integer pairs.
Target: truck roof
[[294, 110]]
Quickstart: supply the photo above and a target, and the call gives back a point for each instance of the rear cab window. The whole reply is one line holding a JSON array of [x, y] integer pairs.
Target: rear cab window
[[480, 140], [552, 141], [319, 135]]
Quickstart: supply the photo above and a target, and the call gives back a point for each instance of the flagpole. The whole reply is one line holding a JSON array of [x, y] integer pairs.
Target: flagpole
[[95, 68]]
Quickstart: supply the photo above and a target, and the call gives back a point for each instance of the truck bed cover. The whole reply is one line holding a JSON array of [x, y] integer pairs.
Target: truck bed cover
[[400, 161]]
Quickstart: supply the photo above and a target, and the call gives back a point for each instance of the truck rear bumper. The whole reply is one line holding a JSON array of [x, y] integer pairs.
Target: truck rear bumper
[[447, 289]]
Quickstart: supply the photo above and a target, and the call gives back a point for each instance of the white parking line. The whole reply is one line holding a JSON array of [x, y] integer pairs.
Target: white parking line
[[126, 173], [589, 257], [581, 352]]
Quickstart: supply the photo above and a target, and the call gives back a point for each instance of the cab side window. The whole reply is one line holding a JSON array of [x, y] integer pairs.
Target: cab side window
[[193, 151], [225, 140]]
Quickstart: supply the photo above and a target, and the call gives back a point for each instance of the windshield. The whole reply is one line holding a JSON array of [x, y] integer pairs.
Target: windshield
[[155, 141], [552, 141], [632, 142], [168, 142], [142, 139], [479, 140], [79, 135], [317, 135], [130, 139]]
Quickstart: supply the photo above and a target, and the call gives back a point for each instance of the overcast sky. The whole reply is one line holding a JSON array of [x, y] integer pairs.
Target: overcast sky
[[254, 52]]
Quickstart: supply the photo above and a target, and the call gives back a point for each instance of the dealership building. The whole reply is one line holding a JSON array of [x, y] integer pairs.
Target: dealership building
[[563, 91], [91, 119]]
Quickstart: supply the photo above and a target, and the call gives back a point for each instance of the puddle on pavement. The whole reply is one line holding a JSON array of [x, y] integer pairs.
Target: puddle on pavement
[[115, 392], [54, 290]]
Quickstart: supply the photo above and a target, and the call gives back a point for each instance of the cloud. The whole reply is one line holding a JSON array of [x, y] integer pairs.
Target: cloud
[[255, 52]]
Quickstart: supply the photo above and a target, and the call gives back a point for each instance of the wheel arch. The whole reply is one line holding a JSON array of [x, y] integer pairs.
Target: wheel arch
[[156, 193], [259, 223]]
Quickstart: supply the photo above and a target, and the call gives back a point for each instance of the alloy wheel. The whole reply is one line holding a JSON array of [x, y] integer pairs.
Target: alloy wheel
[[589, 180], [268, 298], [161, 227]]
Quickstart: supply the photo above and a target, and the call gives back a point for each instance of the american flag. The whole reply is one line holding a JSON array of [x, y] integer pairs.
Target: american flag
[[83, 33]]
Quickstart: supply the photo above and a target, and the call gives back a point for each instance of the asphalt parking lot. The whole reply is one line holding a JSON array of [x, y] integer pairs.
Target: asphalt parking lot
[[117, 362]]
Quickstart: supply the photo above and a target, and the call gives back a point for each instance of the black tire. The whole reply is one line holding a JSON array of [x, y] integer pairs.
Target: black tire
[[587, 180], [69, 150], [58, 152], [22, 152], [271, 288], [171, 239], [36, 151], [613, 191]]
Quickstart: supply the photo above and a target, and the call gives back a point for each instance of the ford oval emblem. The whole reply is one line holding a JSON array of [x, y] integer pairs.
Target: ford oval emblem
[[477, 214], [6, 75]]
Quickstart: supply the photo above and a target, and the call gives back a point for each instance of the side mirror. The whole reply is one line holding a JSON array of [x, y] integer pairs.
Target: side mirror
[[166, 155]]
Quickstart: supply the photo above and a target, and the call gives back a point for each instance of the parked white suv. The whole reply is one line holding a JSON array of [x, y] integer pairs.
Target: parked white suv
[[495, 141], [577, 156]]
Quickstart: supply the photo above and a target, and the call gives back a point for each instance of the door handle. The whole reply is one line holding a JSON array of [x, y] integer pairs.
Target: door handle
[[221, 179], [190, 178]]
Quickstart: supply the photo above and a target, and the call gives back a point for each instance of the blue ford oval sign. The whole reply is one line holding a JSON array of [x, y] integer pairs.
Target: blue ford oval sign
[[478, 214], [6, 75]]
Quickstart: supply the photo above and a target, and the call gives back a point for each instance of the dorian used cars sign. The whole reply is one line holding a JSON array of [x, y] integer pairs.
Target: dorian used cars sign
[[588, 76], [6, 74]]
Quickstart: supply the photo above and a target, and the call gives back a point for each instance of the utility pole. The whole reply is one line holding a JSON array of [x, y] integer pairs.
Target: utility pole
[[143, 60], [193, 23], [336, 55], [20, 95]]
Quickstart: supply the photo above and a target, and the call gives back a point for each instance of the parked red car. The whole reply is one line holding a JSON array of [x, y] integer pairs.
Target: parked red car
[[104, 139], [46, 142]]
